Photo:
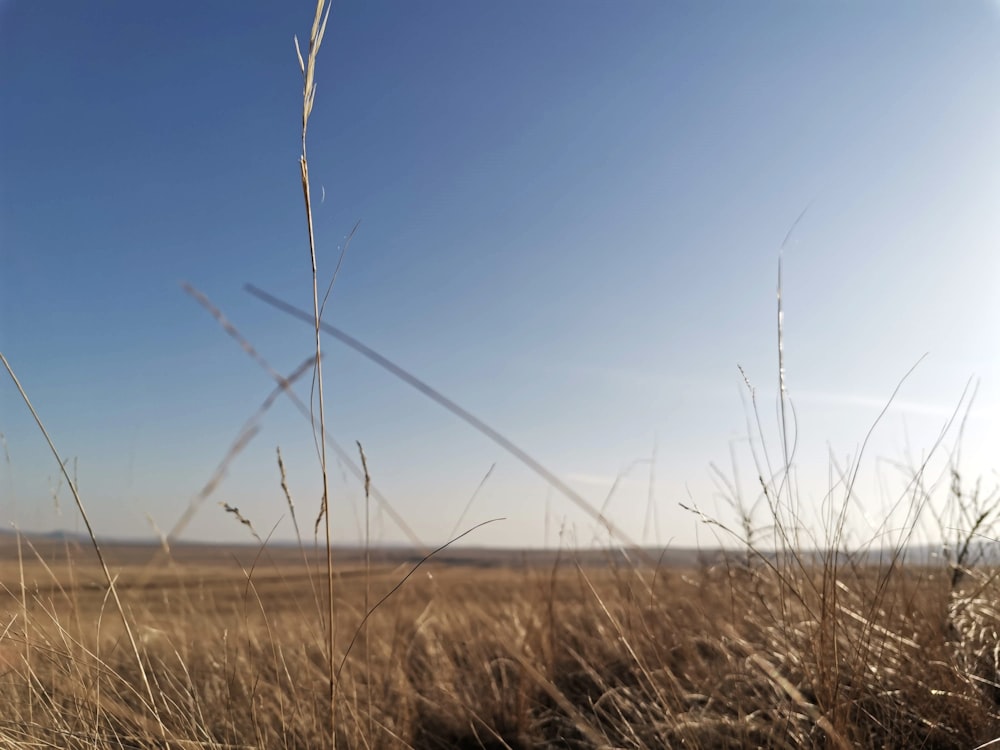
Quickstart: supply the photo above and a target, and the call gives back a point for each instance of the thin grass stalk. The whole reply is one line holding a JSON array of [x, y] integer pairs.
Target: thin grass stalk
[[27, 628], [783, 396], [399, 585], [368, 580], [112, 589], [298, 534], [308, 68], [784, 403], [472, 499]]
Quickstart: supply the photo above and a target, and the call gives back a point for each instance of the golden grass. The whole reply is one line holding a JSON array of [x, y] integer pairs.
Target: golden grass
[[566, 655], [239, 648]]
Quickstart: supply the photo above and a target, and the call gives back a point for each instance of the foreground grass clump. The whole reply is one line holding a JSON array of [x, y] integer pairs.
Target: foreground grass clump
[[562, 653]]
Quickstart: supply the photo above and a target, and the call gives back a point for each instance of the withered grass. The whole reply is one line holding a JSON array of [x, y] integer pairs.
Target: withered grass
[[567, 654], [239, 648]]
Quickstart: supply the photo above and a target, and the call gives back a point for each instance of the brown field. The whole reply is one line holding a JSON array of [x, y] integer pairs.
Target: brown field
[[489, 651], [244, 647]]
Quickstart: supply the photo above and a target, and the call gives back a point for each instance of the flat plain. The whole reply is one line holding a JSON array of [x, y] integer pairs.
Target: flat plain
[[490, 649]]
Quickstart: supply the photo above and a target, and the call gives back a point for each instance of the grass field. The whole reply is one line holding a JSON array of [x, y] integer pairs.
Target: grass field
[[564, 652], [773, 645]]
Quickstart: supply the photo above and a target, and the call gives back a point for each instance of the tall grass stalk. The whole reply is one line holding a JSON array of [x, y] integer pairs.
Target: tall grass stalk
[[112, 589], [308, 68], [368, 573]]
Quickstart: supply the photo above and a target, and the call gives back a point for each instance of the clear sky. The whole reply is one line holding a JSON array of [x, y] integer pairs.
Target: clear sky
[[571, 215]]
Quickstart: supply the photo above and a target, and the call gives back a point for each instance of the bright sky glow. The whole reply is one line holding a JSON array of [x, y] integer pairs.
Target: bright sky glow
[[571, 215]]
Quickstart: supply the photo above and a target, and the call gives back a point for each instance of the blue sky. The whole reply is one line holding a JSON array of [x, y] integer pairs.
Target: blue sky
[[570, 213]]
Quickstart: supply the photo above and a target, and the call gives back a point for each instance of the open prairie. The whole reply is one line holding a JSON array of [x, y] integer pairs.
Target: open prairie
[[498, 650], [572, 215]]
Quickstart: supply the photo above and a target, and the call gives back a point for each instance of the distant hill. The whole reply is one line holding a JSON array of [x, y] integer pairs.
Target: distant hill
[[54, 545]]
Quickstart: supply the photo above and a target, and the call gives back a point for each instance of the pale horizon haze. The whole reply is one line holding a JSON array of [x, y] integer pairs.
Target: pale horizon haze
[[571, 217]]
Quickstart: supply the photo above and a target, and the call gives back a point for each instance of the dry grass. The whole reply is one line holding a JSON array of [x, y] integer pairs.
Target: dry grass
[[239, 648], [565, 655]]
